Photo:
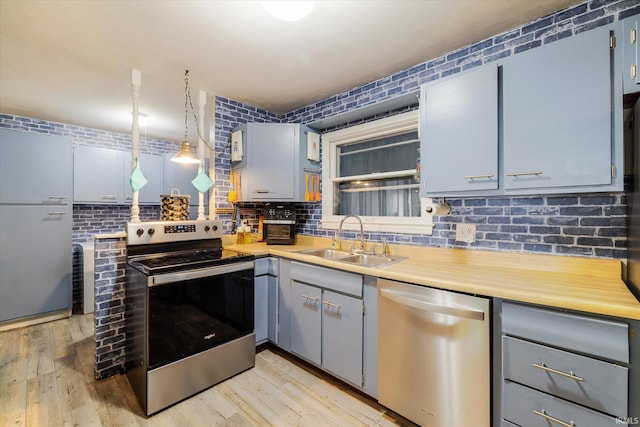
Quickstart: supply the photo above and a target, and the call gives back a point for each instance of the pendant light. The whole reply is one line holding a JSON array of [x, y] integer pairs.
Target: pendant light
[[186, 155]]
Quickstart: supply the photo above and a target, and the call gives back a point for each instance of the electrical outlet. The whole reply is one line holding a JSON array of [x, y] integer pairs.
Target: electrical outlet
[[466, 233]]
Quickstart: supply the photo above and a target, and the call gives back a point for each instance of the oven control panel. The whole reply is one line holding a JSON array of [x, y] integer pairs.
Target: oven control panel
[[140, 233]]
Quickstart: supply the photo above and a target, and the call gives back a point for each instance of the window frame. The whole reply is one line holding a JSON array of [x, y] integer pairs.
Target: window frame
[[389, 126]]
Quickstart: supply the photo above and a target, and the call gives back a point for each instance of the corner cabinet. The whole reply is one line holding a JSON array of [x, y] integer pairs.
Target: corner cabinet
[[273, 162], [266, 291], [548, 120]]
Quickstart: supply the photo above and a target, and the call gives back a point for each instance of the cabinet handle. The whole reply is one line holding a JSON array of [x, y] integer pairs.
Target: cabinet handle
[[543, 414], [261, 191], [56, 213], [555, 371], [525, 173], [309, 297], [632, 36], [633, 71], [472, 177], [57, 197], [108, 197], [330, 304]]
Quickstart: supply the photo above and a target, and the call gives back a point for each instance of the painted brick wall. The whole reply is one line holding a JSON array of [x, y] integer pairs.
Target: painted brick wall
[[110, 259]]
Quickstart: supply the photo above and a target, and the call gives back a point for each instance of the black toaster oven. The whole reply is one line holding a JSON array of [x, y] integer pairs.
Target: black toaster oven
[[279, 224]]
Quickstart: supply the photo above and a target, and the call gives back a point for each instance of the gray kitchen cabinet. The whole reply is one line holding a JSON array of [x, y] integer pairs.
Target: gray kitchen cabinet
[[266, 281], [35, 225], [555, 129], [306, 322], [273, 162], [630, 54], [283, 326], [41, 235], [151, 167], [34, 168], [557, 114], [459, 133], [98, 175], [327, 320], [561, 367], [178, 175]]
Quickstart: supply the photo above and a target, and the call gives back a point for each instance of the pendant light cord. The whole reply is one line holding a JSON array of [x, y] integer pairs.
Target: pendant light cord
[[189, 103]]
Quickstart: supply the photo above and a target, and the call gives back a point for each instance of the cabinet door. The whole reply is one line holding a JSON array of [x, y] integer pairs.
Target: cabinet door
[[151, 167], [97, 175], [261, 308], [34, 168], [271, 160], [306, 321], [35, 260], [177, 175], [459, 135], [342, 336], [557, 114], [272, 311], [630, 54]]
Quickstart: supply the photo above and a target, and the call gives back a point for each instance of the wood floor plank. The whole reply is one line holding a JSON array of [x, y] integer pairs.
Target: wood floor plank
[[47, 379]]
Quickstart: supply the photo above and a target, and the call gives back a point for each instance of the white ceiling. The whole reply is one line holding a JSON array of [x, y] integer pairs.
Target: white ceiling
[[70, 61]]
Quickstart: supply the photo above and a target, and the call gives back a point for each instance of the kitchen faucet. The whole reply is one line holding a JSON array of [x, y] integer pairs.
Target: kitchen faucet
[[361, 229]]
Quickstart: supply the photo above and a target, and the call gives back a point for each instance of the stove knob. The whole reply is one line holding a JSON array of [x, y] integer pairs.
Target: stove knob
[[215, 228], [139, 232], [151, 231], [206, 228]]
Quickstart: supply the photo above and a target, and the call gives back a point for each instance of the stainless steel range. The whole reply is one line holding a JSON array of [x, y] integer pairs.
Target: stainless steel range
[[190, 310]]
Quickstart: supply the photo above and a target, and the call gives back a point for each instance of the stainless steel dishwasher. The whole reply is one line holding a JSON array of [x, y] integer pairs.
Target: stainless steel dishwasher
[[434, 355]]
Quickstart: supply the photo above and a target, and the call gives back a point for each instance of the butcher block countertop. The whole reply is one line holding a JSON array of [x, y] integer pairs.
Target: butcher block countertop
[[591, 285]]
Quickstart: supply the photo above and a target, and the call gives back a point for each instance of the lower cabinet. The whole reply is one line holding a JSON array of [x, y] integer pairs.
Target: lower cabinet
[[561, 368], [325, 313], [25, 290], [266, 282]]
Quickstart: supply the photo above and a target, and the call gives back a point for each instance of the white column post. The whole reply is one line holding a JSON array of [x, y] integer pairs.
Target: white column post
[[202, 102], [136, 82], [212, 158]]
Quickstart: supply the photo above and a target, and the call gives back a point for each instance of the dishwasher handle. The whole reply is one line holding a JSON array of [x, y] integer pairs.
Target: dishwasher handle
[[411, 300]]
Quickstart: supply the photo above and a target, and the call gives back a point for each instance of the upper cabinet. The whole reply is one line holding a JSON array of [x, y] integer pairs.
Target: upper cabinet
[[459, 133], [547, 120], [630, 54], [557, 115], [97, 175], [34, 168], [274, 158]]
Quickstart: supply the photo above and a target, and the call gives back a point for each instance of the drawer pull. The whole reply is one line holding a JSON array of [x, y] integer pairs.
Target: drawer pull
[[543, 414], [472, 177], [516, 174], [308, 298], [555, 371], [330, 304]]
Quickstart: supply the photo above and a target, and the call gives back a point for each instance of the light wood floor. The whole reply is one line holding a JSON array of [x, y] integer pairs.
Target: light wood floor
[[46, 379]]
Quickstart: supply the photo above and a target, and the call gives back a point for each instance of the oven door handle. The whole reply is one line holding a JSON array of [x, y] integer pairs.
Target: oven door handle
[[162, 279]]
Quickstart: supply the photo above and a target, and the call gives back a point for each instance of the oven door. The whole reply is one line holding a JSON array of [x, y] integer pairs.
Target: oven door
[[279, 234], [195, 310]]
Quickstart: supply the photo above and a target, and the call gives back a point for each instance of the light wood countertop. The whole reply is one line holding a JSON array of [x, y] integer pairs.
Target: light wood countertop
[[591, 285]]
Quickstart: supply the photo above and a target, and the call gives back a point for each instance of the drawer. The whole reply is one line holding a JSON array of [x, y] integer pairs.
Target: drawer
[[604, 386], [582, 334], [328, 278], [520, 402], [267, 265]]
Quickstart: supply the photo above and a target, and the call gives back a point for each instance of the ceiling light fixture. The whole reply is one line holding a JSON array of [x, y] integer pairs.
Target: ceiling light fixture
[[186, 155], [289, 11]]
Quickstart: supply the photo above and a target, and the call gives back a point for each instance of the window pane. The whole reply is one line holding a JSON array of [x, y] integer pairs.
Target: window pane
[[399, 152], [382, 197]]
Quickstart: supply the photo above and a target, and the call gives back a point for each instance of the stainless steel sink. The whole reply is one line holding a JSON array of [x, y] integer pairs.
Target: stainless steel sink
[[327, 253], [371, 260], [366, 260]]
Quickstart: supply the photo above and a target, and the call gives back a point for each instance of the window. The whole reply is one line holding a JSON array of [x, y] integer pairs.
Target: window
[[369, 170]]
